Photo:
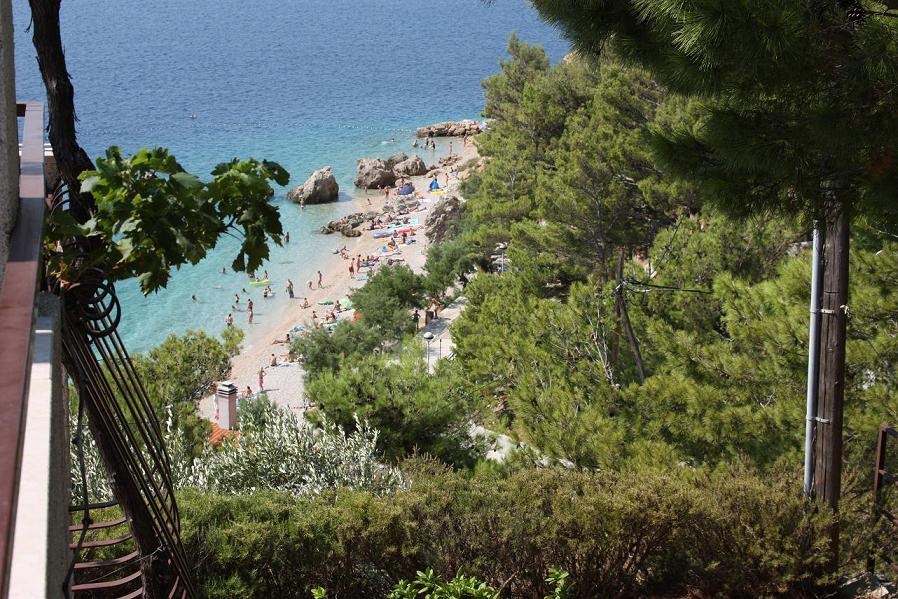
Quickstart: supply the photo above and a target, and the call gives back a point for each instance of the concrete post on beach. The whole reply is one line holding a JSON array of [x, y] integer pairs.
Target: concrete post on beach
[[226, 405]]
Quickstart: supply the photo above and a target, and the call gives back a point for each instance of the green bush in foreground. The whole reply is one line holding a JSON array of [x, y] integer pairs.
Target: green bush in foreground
[[277, 450], [636, 533]]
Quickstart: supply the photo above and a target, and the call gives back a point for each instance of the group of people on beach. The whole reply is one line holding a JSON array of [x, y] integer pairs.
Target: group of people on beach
[[394, 221]]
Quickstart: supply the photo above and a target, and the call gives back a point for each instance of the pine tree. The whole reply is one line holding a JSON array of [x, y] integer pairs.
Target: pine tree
[[796, 112]]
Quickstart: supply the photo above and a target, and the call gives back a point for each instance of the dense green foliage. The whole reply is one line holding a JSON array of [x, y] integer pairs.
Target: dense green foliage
[[429, 584], [276, 450], [445, 261], [717, 308], [636, 533], [152, 216], [413, 410], [324, 351], [385, 299], [794, 100]]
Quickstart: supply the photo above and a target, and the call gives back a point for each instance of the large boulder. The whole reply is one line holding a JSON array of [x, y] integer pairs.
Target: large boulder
[[411, 167], [395, 159], [319, 188], [373, 173]]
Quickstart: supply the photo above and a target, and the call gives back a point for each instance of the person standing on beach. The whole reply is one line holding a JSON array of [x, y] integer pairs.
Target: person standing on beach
[[310, 284], [274, 360], [290, 288], [249, 304], [250, 316], [351, 271], [262, 379], [320, 279]]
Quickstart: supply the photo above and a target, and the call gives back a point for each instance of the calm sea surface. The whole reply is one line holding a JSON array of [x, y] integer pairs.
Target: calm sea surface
[[304, 83]]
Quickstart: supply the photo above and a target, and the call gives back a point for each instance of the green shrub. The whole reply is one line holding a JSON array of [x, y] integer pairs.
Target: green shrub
[[630, 534], [323, 351], [384, 301], [279, 451], [411, 409]]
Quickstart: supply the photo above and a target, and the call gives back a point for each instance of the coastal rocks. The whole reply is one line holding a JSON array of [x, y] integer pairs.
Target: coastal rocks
[[377, 172], [348, 224], [395, 159], [411, 167], [443, 220], [451, 129], [373, 172], [319, 188]]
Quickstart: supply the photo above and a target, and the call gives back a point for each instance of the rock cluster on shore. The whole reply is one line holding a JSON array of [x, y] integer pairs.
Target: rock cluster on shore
[[319, 188], [372, 173], [349, 225], [451, 129]]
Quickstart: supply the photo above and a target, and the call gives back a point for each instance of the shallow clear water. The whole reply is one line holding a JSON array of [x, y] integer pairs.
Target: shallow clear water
[[305, 83]]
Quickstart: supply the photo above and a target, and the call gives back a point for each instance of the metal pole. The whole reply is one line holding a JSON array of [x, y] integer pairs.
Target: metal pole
[[813, 361]]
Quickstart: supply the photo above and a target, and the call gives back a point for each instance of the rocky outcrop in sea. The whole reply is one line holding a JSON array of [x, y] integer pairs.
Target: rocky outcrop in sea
[[319, 188], [451, 129]]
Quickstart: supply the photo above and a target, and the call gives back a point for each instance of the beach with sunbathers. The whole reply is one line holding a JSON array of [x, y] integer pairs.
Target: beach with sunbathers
[[393, 237]]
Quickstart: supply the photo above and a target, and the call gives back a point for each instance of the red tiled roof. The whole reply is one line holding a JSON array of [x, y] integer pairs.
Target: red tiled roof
[[219, 434]]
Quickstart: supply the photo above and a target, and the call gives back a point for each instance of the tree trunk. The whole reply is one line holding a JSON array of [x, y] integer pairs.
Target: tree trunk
[[621, 302], [831, 380], [70, 157]]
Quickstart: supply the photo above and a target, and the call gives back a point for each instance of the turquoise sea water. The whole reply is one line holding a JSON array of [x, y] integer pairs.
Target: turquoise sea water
[[305, 83]]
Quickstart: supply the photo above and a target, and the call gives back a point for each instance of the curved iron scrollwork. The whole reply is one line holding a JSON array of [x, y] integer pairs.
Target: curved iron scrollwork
[[95, 304], [129, 439]]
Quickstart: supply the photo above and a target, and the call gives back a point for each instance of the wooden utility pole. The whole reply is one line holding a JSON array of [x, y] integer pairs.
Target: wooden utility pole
[[831, 380]]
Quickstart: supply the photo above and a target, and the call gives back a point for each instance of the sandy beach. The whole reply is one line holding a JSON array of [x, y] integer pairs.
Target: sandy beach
[[284, 383]]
